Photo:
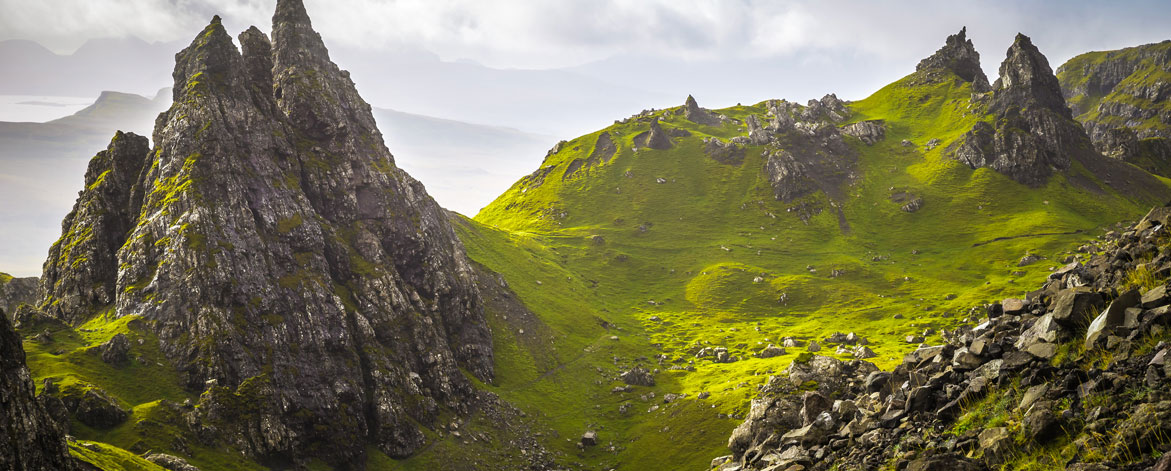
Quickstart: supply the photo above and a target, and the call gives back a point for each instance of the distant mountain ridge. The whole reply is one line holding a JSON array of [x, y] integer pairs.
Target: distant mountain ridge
[[1123, 98]]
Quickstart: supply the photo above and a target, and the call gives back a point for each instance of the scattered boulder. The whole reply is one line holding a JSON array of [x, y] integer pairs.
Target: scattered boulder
[[1040, 423], [995, 443], [1028, 259], [638, 376], [863, 352], [170, 462], [868, 132], [1072, 307], [590, 438], [771, 351], [1113, 316], [1014, 305], [115, 350], [94, 407]]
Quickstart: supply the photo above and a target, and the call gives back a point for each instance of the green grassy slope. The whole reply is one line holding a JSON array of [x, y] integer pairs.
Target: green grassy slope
[[703, 259]]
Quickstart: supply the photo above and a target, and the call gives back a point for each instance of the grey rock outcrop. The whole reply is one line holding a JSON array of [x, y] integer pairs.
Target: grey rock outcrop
[[80, 275], [959, 57], [30, 440], [638, 376], [657, 138], [1034, 134], [312, 291], [695, 114], [868, 132]]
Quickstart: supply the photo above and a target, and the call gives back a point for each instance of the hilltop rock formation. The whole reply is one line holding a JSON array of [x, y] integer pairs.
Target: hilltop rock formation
[[1123, 99], [1032, 134], [868, 132], [958, 56], [656, 138], [16, 291], [309, 289], [1027, 81], [695, 114], [806, 152], [859, 417], [30, 440], [81, 274]]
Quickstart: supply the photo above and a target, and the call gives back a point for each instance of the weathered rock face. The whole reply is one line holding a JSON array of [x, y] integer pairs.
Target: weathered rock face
[[695, 114], [1123, 99], [17, 291], [80, 275], [868, 132], [1100, 73], [1032, 134], [958, 56], [1026, 80], [656, 138], [29, 438], [312, 290]]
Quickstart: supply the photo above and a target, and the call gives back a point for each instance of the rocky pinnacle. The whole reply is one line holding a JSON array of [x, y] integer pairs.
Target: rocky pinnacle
[[1027, 80], [960, 57], [309, 289]]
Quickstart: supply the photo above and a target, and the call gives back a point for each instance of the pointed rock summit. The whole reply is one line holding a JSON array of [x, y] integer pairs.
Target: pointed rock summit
[[1032, 135], [959, 56], [1026, 80], [310, 292], [695, 114], [657, 138]]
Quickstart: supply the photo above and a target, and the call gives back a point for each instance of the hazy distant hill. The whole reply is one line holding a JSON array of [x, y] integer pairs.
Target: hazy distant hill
[[561, 102], [128, 64]]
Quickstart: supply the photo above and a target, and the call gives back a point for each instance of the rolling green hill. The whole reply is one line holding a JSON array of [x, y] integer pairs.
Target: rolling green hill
[[672, 252]]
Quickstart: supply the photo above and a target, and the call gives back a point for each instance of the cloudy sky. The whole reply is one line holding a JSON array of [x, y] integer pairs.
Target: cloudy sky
[[549, 34]]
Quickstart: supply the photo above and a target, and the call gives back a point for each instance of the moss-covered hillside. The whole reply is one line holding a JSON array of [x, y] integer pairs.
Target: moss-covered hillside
[[1121, 97], [660, 256]]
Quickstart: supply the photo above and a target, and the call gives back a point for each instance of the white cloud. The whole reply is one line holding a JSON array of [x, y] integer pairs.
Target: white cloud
[[544, 34]]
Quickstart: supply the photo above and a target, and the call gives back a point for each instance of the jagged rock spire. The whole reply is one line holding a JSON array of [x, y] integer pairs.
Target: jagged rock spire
[[960, 57], [80, 275], [256, 51], [695, 114], [276, 253], [1032, 134], [656, 137], [1027, 80]]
